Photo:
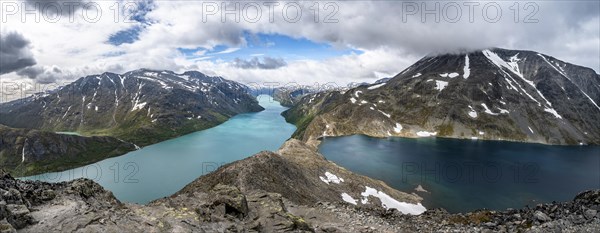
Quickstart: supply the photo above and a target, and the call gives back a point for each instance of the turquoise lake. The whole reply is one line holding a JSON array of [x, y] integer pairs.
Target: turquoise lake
[[164, 168], [466, 175]]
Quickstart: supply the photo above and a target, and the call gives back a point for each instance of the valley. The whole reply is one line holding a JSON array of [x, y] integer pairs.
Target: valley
[[133, 177]]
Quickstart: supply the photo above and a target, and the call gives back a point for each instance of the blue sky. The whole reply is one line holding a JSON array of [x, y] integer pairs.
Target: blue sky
[[270, 45]]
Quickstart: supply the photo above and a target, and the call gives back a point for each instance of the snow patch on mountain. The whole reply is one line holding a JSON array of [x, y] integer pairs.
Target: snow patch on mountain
[[440, 85], [453, 75], [466, 69], [391, 203], [472, 113], [349, 199], [331, 178], [398, 128], [426, 134], [553, 112]]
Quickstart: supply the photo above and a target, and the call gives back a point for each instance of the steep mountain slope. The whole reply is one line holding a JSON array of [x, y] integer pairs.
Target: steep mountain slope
[[293, 193], [492, 94], [288, 96], [141, 106], [28, 152]]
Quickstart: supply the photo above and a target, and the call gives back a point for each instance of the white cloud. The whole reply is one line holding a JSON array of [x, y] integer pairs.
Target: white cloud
[[228, 50], [566, 30]]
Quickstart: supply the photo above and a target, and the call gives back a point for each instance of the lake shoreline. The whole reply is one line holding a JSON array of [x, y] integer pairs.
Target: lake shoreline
[[497, 170]]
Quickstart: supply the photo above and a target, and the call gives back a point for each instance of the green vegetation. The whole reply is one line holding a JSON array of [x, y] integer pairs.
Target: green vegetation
[[472, 218], [301, 121], [77, 155], [445, 130]]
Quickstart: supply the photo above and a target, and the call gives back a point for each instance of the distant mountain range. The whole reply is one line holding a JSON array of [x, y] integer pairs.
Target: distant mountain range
[[494, 94], [140, 107]]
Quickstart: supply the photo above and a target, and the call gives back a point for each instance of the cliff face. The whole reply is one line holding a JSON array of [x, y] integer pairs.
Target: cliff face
[[293, 189], [26, 152], [492, 94]]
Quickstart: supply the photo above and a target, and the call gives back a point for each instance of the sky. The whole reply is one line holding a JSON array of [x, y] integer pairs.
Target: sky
[[305, 42]]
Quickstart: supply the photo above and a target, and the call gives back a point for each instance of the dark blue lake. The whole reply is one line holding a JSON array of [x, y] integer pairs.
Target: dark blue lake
[[465, 175]]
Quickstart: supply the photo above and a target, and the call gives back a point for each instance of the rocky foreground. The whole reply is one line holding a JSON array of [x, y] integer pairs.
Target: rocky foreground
[[293, 189]]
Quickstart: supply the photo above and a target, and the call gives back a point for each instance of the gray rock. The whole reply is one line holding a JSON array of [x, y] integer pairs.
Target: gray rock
[[542, 217], [589, 214], [19, 216], [5, 227]]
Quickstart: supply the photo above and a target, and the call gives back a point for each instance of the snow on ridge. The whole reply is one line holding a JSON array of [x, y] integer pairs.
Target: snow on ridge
[[567, 77], [466, 69], [376, 86], [487, 110], [453, 75], [512, 65], [593, 102], [416, 75], [331, 178], [353, 100], [553, 112], [562, 73], [388, 202]]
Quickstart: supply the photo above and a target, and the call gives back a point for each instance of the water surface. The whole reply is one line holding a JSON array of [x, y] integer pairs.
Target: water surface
[[164, 168], [465, 175]]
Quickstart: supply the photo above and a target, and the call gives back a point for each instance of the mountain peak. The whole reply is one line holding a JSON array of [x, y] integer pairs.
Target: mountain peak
[[494, 94]]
